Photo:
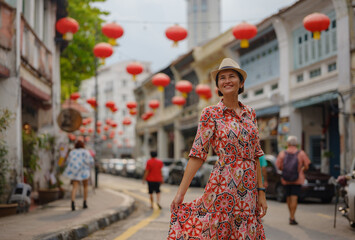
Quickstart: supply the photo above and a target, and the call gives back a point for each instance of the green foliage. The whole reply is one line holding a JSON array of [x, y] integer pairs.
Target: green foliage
[[77, 61], [6, 117]]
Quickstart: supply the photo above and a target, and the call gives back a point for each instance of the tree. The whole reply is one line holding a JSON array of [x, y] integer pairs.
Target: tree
[[77, 61]]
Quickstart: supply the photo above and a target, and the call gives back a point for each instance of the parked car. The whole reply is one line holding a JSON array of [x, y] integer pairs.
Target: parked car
[[165, 170], [131, 168], [176, 172], [118, 166], [140, 166], [206, 169], [316, 185], [104, 165]]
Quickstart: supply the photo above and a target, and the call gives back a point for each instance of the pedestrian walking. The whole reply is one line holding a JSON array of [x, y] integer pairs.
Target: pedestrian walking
[[233, 201], [263, 165], [79, 163], [293, 163], [153, 175]]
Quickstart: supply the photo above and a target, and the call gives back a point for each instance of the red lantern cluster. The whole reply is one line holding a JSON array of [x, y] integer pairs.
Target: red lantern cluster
[[112, 31], [147, 115], [184, 87], [126, 121], [74, 96], [154, 104], [103, 50], [161, 80], [203, 91], [67, 26], [92, 102], [178, 100], [244, 31], [176, 33], [315, 23], [112, 106], [71, 137], [131, 105], [134, 69]]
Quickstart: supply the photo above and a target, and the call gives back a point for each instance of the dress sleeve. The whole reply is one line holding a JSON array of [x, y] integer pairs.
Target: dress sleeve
[[205, 131], [258, 151]]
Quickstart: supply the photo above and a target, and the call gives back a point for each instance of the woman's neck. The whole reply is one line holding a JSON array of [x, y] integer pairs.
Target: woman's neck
[[231, 102]]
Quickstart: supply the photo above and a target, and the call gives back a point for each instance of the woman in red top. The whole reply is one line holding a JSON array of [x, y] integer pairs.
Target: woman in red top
[[234, 199], [154, 177]]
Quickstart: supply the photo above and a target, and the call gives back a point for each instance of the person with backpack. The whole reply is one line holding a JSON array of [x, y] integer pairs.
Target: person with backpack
[[293, 163]]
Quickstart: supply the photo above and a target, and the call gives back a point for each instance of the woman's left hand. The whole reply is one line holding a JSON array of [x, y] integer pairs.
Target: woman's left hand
[[262, 205]]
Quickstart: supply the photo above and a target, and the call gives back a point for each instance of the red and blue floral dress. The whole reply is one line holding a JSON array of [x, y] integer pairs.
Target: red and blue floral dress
[[228, 207]]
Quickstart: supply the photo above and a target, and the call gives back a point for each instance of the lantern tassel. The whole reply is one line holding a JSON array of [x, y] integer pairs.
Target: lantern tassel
[[184, 95], [68, 36], [102, 61], [244, 43], [112, 41], [134, 77], [175, 44], [161, 88], [316, 35]]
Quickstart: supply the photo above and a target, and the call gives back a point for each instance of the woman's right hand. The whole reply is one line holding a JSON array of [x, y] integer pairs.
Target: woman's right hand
[[176, 202]]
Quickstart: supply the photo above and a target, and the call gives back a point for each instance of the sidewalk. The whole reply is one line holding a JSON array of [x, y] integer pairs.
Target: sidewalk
[[56, 220]]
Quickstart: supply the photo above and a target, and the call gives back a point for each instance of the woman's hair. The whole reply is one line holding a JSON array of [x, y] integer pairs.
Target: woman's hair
[[292, 140], [241, 90], [79, 144]]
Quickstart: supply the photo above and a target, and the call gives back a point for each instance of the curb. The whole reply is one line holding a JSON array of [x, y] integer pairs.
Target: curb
[[84, 230]]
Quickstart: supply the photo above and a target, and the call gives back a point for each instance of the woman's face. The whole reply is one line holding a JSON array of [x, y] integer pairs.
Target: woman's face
[[229, 82]]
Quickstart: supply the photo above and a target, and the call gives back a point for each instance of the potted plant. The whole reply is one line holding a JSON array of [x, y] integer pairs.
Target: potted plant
[[5, 209]]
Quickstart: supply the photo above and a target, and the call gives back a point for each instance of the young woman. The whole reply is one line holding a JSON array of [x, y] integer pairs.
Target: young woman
[[234, 200]]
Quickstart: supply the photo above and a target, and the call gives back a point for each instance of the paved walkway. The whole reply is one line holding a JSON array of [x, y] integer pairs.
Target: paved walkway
[[56, 220]]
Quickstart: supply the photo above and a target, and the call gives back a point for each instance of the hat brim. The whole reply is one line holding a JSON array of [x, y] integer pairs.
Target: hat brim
[[241, 71]]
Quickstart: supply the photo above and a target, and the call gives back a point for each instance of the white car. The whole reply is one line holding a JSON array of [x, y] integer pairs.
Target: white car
[[165, 170]]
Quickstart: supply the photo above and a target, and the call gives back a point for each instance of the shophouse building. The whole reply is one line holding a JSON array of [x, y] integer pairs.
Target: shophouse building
[[30, 76], [114, 84], [297, 85]]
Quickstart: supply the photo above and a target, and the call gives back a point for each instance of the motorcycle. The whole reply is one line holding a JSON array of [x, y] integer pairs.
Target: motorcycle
[[345, 188]]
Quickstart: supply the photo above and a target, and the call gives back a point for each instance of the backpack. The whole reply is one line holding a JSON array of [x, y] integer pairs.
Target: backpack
[[290, 167]]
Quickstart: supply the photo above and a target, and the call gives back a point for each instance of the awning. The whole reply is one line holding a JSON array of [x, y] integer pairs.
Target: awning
[[314, 100], [267, 111]]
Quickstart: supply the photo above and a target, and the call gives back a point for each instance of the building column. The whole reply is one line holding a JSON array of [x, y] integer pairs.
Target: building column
[[162, 143], [178, 142]]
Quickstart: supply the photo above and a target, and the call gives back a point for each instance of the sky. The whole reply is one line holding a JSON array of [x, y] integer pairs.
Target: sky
[[145, 22]]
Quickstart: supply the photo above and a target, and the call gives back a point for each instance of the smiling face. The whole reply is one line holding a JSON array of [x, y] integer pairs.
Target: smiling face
[[229, 82]]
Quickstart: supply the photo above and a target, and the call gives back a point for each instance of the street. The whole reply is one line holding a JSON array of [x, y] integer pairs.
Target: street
[[315, 219]]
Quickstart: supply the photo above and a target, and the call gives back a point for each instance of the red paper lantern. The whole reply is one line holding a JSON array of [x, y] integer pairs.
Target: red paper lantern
[[98, 130], [315, 23], [145, 116], [134, 69], [126, 121], [120, 132], [110, 104], [154, 104], [82, 129], [112, 134], [108, 121], [67, 26], [106, 128], [150, 114], [113, 124], [176, 33], [112, 31], [99, 123], [131, 105], [103, 137], [84, 122], [204, 91], [114, 109], [184, 87], [88, 120], [244, 31], [133, 111], [87, 139], [92, 102], [71, 137], [161, 80], [178, 100], [74, 96], [90, 130], [102, 51]]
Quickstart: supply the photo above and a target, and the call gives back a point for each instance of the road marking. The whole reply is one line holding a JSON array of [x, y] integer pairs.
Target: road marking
[[132, 230], [324, 215]]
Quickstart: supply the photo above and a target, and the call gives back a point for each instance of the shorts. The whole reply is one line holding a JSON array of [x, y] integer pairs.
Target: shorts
[[153, 187], [292, 190]]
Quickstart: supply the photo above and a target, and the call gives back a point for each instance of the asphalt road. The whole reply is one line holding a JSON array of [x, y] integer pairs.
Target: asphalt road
[[315, 219]]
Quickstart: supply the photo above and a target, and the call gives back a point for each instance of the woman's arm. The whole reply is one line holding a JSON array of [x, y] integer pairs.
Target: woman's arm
[[192, 166], [262, 197]]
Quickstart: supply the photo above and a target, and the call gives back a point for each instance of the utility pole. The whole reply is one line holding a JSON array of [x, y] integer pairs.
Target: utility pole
[[96, 136]]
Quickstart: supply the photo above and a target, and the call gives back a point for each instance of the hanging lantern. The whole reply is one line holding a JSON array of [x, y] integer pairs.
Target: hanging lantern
[[315, 23], [203, 91], [134, 69], [133, 111], [178, 100], [110, 105], [81, 138], [113, 124], [74, 96], [67, 26], [108, 121], [244, 31], [131, 105], [92, 102], [112, 134], [184, 87], [154, 104], [87, 139], [176, 33], [99, 123], [144, 116], [82, 129], [150, 114], [161, 80], [106, 128], [126, 121], [84, 122], [88, 120], [103, 137], [102, 51], [114, 109], [71, 137], [112, 31], [90, 130], [98, 130], [120, 132]]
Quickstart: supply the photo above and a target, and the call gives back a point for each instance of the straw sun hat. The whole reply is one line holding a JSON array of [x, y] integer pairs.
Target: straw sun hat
[[228, 63]]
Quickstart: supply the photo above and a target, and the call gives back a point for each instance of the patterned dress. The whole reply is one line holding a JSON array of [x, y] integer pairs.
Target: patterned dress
[[228, 207], [79, 163]]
